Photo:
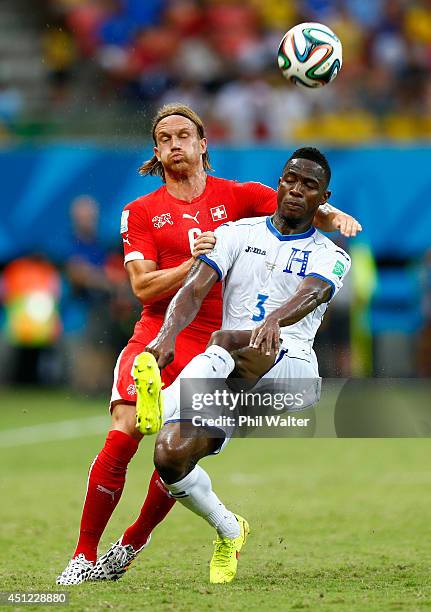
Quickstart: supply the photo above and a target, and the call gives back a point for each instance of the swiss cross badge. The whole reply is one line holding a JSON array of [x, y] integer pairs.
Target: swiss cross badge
[[218, 213]]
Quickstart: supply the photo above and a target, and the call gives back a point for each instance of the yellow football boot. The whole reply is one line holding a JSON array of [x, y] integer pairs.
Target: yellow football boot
[[224, 561], [149, 402]]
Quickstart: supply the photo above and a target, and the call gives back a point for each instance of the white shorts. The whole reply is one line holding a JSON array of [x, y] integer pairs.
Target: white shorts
[[290, 369]]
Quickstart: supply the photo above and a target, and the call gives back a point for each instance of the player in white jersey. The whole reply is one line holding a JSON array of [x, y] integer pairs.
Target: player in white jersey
[[279, 275], [261, 267]]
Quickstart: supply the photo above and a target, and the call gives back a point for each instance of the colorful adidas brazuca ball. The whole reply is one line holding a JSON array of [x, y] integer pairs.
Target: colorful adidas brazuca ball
[[310, 55]]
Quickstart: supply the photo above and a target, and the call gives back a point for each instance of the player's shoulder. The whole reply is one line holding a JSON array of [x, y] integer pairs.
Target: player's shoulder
[[323, 243], [241, 224], [244, 187], [146, 201], [251, 221], [253, 189], [253, 185], [217, 181]]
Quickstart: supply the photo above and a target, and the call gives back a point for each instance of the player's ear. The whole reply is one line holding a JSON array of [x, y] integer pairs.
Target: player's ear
[[326, 197], [204, 145], [156, 152]]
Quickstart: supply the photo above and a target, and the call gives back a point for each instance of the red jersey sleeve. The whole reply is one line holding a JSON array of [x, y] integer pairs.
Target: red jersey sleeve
[[138, 241], [255, 199]]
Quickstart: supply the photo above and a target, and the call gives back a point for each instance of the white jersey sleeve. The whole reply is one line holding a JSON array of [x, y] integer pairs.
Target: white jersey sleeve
[[330, 265], [226, 250]]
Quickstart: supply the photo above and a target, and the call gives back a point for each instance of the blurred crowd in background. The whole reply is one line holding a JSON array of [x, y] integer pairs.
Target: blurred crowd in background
[[97, 69], [98, 62], [65, 323]]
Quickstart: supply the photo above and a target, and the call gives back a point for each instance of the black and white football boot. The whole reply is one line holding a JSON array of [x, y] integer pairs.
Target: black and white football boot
[[116, 561], [77, 570]]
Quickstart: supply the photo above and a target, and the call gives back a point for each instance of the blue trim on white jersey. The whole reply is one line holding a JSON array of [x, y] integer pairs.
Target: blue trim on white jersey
[[285, 237], [212, 264], [324, 279]]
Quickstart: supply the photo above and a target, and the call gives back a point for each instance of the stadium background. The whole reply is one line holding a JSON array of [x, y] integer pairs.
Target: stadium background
[[79, 81]]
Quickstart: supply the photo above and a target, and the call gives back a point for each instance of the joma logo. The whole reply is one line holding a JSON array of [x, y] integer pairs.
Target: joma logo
[[255, 250]]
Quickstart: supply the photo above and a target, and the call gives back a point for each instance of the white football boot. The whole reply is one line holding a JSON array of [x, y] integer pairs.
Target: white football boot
[[116, 561], [77, 570]]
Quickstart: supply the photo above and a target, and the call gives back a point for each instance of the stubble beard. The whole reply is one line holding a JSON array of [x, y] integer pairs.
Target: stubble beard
[[181, 169]]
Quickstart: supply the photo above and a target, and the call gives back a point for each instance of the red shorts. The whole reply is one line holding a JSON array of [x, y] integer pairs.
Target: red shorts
[[189, 344]]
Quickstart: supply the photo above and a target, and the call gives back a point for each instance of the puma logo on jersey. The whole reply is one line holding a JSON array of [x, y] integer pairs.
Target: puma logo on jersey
[[195, 218], [255, 250], [126, 240], [161, 220]]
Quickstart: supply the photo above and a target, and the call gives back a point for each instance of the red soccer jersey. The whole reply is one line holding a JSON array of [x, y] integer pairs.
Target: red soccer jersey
[[161, 228]]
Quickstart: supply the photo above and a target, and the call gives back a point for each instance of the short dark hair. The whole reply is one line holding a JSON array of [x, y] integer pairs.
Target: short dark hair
[[314, 155]]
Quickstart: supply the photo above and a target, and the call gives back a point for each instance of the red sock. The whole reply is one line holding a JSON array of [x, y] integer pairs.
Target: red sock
[[156, 506], [106, 480]]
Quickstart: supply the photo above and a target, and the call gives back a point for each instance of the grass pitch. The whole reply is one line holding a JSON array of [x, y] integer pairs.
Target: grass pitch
[[336, 524]]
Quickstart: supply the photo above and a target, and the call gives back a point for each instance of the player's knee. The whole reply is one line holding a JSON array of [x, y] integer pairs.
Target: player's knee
[[124, 419], [223, 338], [171, 458]]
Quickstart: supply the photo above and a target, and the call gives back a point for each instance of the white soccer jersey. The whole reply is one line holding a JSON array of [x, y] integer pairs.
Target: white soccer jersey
[[262, 268]]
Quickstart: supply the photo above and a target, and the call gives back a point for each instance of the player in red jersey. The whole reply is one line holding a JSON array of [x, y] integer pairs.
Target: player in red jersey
[[162, 234]]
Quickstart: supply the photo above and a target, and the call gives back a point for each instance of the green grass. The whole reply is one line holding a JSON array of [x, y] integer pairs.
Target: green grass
[[336, 524]]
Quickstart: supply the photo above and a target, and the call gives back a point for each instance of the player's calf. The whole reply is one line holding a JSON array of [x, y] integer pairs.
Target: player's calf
[[195, 492], [178, 448]]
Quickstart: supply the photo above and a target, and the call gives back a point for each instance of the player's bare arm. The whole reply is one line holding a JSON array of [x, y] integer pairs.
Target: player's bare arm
[[182, 310], [150, 284], [310, 294], [331, 219]]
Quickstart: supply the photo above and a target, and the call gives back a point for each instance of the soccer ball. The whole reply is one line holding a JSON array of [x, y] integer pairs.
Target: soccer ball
[[310, 55]]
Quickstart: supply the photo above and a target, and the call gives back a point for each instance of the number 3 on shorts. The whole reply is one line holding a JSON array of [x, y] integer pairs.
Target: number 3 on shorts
[[261, 299]]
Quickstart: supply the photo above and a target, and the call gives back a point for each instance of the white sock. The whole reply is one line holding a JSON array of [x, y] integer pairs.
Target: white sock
[[194, 491], [216, 362]]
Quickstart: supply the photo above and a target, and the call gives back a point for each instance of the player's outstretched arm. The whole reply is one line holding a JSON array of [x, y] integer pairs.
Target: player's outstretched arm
[[182, 310], [310, 294], [150, 285], [330, 219]]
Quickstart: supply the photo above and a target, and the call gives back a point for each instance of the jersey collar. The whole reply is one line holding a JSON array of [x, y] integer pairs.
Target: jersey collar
[[280, 236]]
